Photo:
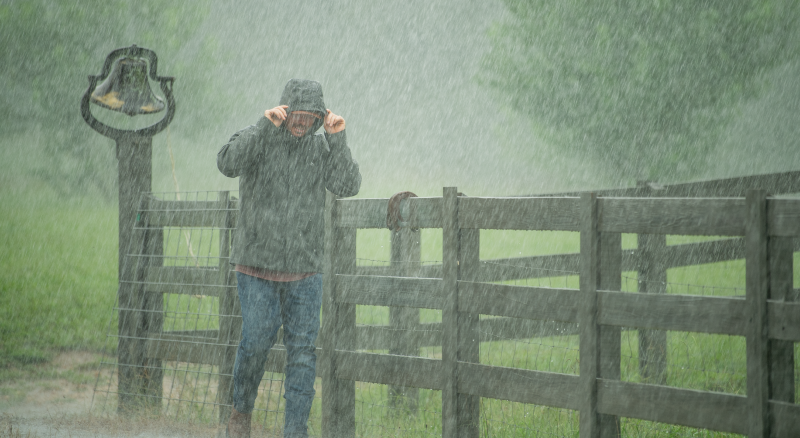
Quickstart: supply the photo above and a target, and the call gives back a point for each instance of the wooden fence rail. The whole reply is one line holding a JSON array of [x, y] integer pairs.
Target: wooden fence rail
[[761, 229], [764, 317]]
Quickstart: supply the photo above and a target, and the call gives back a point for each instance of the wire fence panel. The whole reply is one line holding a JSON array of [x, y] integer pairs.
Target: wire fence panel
[[187, 276]]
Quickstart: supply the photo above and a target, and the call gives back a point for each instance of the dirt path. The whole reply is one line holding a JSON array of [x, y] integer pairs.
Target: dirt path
[[54, 400]]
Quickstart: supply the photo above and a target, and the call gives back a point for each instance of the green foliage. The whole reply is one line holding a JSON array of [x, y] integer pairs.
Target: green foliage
[[50, 47], [644, 87]]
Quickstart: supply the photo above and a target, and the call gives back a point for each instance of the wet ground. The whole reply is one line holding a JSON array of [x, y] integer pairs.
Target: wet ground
[[54, 400]]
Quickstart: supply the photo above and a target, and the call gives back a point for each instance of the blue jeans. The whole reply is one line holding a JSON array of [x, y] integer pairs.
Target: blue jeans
[[265, 306]]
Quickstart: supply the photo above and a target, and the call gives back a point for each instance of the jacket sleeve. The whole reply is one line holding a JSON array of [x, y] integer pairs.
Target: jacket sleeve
[[342, 176], [245, 148]]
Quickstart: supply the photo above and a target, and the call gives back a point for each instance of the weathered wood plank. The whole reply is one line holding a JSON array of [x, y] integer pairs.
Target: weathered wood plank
[[195, 351], [450, 326], [214, 218], [380, 337], [188, 335], [179, 275], [517, 268], [361, 213], [587, 316], [519, 301], [423, 293], [338, 395], [610, 336], [405, 254], [495, 329], [690, 254], [721, 315], [786, 419], [469, 332], [188, 289], [774, 183], [424, 271], [685, 407], [757, 285], [784, 320], [711, 217], [424, 212], [519, 213], [389, 369], [522, 386], [154, 204], [781, 352], [783, 217]]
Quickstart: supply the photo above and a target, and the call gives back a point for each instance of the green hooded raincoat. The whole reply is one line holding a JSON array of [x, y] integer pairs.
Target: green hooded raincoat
[[282, 183]]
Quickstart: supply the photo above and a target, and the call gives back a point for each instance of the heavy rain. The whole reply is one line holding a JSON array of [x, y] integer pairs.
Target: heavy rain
[[555, 219]]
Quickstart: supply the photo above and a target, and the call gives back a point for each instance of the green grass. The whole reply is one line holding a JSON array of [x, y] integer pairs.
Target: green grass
[[58, 273]]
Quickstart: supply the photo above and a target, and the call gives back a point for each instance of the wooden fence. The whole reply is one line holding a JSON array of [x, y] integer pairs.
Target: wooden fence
[[460, 287], [765, 318]]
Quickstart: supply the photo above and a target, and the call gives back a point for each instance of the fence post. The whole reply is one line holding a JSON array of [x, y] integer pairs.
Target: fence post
[[468, 331], [132, 378], [338, 327], [406, 257], [153, 318], [450, 313], [230, 327], [652, 280], [781, 353], [757, 284], [652, 275], [610, 336], [587, 317]]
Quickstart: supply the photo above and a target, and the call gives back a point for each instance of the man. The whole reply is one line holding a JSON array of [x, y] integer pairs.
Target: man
[[284, 170]]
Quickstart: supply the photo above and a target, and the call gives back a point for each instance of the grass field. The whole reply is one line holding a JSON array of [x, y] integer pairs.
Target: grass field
[[58, 285]]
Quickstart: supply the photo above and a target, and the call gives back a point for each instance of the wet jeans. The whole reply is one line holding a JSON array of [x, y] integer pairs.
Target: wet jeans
[[265, 306]]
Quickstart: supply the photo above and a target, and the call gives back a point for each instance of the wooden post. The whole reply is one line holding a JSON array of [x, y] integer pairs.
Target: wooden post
[[135, 169], [587, 317], [230, 327], [406, 257], [339, 323], [450, 324], [757, 284], [153, 319], [781, 353], [610, 336], [131, 378], [652, 280], [468, 332]]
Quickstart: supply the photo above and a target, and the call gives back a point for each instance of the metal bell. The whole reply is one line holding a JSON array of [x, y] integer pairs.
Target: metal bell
[[127, 90]]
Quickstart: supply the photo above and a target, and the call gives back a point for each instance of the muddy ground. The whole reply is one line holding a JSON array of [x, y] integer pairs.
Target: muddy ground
[[54, 400]]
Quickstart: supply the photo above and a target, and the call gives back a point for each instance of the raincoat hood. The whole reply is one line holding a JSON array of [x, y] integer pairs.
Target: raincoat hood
[[304, 95]]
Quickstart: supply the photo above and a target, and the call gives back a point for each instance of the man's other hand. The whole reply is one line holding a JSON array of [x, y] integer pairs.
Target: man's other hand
[[333, 123], [278, 114]]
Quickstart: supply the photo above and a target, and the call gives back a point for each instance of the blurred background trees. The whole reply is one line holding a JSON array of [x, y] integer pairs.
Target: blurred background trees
[[644, 87]]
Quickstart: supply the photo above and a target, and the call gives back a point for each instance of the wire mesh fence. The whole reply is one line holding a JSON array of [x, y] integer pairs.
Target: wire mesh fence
[[190, 327]]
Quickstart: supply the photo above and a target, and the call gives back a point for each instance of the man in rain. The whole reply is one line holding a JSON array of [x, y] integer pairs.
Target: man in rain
[[284, 170]]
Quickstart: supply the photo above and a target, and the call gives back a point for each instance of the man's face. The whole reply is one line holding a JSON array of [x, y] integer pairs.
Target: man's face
[[299, 122]]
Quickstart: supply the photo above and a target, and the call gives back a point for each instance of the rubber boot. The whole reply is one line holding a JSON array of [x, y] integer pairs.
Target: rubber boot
[[238, 425]]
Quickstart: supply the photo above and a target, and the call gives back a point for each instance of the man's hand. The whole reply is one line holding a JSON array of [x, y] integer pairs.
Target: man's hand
[[333, 123], [278, 114]]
